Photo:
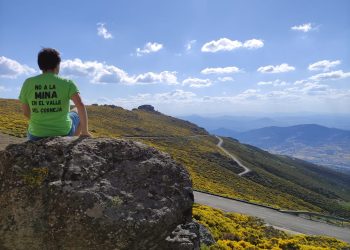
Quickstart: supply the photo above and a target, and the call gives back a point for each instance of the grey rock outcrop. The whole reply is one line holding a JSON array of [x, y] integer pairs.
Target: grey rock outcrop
[[147, 107], [205, 236], [184, 237], [84, 193]]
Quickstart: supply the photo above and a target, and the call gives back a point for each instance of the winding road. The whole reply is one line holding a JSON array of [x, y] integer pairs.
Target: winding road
[[7, 139], [282, 221], [219, 145], [233, 157]]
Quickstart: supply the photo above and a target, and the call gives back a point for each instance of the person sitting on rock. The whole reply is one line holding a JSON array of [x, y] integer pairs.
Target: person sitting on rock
[[46, 99]]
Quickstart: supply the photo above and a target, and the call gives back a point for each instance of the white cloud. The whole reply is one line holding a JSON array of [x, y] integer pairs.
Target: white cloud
[[225, 44], [12, 69], [197, 82], [284, 67], [149, 48], [162, 77], [225, 79], [324, 65], [253, 44], [103, 32], [190, 44], [226, 70], [304, 97], [4, 89], [275, 83], [77, 67], [97, 72], [334, 75], [298, 82], [111, 74], [101, 73], [176, 96], [306, 27], [312, 88], [249, 94]]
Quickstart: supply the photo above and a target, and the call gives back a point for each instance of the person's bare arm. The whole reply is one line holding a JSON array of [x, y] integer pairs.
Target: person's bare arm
[[82, 114], [26, 110]]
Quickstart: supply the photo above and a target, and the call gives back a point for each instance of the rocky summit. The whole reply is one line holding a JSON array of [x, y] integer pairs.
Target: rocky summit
[[85, 193]]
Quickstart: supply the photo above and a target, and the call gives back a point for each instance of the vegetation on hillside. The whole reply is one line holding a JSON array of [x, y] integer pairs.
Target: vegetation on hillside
[[241, 232], [311, 142], [210, 169], [314, 184]]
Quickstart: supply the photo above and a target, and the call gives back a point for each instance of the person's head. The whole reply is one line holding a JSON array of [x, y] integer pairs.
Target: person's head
[[49, 60]]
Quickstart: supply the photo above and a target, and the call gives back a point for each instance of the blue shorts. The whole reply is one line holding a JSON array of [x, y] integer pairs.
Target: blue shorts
[[75, 123]]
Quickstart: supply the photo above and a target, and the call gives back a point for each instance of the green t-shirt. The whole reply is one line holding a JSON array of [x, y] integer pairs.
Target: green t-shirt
[[48, 97]]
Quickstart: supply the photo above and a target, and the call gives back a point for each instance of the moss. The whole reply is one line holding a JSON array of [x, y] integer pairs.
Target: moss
[[116, 201], [35, 176]]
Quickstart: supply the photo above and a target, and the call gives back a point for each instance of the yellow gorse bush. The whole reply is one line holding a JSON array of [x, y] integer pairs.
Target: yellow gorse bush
[[210, 169], [237, 231]]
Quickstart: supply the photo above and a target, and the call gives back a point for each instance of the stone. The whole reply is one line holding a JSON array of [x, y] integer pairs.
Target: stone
[[85, 193], [205, 236], [184, 237], [147, 107]]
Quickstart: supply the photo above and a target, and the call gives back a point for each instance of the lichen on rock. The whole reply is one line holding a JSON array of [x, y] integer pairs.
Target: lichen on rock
[[84, 193]]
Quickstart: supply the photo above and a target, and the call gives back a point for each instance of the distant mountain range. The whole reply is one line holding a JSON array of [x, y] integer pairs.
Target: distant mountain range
[[274, 180], [245, 123], [315, 143]]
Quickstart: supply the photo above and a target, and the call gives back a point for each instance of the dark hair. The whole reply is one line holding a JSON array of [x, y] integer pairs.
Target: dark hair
[[48, 59]]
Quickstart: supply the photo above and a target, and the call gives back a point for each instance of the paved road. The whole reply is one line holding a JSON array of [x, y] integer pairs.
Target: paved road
[[233, 157], [277, 219], [274, 218], [219, 145]]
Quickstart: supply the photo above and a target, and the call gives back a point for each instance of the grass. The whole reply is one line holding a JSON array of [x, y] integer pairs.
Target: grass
[[275, 181]]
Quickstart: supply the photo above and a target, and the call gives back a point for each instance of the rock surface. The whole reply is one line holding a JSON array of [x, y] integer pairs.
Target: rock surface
[[205, 236], [5, 140], [84, 193], [184, 237], [148, 108]]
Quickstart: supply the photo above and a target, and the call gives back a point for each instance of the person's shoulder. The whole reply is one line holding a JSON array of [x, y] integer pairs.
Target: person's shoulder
[[30, 79], [64, 79]]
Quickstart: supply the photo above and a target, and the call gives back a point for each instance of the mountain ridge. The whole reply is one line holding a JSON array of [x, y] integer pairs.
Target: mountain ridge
[[271, 182], [311, 142], [242, 123]]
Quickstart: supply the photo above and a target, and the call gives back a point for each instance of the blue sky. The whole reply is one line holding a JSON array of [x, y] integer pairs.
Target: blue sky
[[187, 57]]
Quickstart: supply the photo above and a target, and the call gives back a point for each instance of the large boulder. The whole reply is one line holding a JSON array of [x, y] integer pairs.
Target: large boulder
[[84, 193]]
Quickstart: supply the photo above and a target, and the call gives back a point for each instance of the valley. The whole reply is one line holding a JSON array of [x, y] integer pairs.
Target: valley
[[314, 143], [275, 180]]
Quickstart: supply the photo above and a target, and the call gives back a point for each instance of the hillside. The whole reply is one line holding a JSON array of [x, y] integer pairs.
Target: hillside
[[238, 231], [311, 142], [276, 181]]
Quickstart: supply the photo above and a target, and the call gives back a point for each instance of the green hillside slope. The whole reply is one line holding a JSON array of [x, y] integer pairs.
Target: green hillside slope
[[314, 184], [277, 181]]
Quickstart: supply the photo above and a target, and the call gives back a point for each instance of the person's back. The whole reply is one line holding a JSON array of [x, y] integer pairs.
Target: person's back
[[46, 101]]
